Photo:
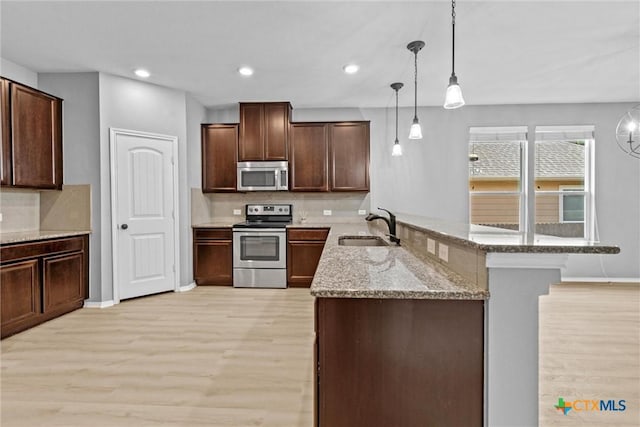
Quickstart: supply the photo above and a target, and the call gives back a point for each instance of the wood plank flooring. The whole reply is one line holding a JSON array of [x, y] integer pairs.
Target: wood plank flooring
[[590, 349], [219, 356], [215, 356]]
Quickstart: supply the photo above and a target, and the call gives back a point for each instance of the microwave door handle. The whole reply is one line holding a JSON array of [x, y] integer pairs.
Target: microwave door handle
[[284, 174]]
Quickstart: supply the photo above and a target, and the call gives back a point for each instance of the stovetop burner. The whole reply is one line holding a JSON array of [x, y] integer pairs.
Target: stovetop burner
[[262, 224]]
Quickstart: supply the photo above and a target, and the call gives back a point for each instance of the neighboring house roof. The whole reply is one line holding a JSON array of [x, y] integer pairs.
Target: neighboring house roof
[[554, 159]]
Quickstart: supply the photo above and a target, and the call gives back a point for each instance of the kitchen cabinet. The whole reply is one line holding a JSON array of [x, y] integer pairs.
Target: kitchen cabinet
[[31, 137], [41, 280], [349, 156], [264, 131], [309, 157], [213, 256], [219, 157], [329, 156], [5, 128], [304, 249], [399, 362]]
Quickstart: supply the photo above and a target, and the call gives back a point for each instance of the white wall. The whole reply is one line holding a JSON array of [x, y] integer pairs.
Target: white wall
[[135, 105], [18, 73], [81, 151]]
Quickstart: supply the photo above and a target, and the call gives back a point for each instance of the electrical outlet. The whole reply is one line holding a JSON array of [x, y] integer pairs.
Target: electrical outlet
[[0, 216], [443, 252], [326, 212], [362, 212], [431, 246], [237, 212]]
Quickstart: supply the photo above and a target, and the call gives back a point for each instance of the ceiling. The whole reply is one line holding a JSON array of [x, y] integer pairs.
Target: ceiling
[[510, 52]]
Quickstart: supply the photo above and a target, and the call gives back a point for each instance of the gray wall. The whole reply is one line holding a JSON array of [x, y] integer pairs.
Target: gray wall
[[81, 136], [431, 177], [135, 105]]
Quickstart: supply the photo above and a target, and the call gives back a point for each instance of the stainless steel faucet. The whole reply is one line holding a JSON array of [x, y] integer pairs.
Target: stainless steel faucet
[[391, 223]]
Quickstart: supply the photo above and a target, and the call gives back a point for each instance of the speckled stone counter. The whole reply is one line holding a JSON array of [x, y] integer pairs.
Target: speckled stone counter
[[498, 240], [217, 223], [382, 272], [34, 235]]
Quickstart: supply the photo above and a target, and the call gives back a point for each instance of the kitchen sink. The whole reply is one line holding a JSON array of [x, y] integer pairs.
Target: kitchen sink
[[361, 241]]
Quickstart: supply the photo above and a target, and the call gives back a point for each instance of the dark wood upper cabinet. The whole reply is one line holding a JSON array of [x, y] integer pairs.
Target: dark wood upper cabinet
[[219, 157], [349, 156], [264, 131], [308, 157], [5, 153], [31, 137]]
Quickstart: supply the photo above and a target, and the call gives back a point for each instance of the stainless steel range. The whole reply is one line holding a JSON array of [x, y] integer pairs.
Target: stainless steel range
[[260, 247]]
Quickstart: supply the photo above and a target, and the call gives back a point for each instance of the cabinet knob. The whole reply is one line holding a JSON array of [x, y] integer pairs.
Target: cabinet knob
[[124, 226]]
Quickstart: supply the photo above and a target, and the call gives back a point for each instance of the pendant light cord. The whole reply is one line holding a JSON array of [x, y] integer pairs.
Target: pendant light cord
[[396, 115], [415, 85], [453, 37]]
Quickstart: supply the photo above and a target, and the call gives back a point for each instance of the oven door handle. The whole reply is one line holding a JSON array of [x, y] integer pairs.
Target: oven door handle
[[259, 232]]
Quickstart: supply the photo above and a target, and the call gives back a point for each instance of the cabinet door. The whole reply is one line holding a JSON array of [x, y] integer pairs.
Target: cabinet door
[[219, 157], [213, 262], [302, 262], [251, 145], [308, 157], [36, 127], [276, 130], [349, 156], [64, 282], [5, 153], [19, 296]]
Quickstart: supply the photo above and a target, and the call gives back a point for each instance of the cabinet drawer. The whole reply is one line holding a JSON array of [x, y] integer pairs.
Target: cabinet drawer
[[308, 234], [213, 233], [35, 249]]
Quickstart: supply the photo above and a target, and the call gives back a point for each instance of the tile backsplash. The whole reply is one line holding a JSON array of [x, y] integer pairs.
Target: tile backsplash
[[20, 210], [343, 206], [69, 209]]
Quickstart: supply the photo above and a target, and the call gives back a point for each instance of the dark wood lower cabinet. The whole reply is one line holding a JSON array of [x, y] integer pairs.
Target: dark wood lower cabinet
[[388, 362], [213, 256], [42, 280], [304, 249]]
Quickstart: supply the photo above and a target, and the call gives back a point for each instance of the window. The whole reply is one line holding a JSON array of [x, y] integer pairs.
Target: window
[[495, 176], [545, 185], [563, 180]]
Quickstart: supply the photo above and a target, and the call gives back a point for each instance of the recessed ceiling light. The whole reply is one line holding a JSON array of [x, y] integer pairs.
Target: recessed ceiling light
[[141, 72], [351, 68], [245, 71]]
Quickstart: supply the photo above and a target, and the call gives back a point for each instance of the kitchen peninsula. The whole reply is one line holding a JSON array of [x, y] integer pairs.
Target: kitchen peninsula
[[441, 331]]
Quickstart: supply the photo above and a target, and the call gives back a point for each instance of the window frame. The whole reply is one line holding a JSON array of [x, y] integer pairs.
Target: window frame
[[575, 190]]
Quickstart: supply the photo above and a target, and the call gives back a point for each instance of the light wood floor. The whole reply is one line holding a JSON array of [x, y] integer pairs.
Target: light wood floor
[[590, 349], [220, 356], [214, 356]]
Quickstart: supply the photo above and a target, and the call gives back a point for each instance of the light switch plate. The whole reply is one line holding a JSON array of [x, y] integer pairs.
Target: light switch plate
[[237, 212], [326, 212], [362, 212], [0, 217], [443, 252], [431, 246]]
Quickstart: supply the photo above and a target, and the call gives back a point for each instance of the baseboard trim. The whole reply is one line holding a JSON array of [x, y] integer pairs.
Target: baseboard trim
[[187, 288], [98, 304], [630, 280]]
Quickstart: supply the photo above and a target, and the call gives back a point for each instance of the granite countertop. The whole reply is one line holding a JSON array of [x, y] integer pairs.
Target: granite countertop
[[217, 223], [492, 239], [34, 235], [382, 272]]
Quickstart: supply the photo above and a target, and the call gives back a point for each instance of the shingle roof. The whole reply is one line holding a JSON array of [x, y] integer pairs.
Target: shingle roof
[[554, 159]]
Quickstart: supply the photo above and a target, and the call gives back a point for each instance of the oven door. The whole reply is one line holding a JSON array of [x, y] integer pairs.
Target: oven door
[[259, 248]]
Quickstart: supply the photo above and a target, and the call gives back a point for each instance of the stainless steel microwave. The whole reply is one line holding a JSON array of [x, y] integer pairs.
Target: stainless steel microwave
[[263, 176]]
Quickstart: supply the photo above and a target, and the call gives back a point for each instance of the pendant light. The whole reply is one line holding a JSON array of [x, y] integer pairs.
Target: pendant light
[[397, 149], [453, 98], [416, 131]]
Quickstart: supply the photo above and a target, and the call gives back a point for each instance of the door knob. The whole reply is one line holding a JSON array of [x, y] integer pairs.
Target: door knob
[[124, 226]]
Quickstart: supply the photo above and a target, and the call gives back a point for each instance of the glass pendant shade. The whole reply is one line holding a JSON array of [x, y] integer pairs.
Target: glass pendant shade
[[628, 132], [397, 149], [453, 98], [416, 131]]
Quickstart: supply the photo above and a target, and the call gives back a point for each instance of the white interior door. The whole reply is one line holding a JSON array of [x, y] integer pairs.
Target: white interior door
[[143, 219]]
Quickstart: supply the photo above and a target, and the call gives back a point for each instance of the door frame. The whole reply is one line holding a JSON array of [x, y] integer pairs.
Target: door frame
[[113, 133]]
